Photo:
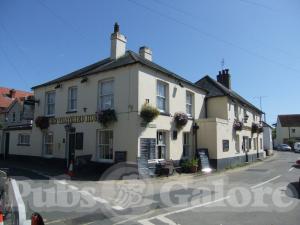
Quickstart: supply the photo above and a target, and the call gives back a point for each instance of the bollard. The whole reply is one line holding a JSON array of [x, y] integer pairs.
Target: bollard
[[36, 219]]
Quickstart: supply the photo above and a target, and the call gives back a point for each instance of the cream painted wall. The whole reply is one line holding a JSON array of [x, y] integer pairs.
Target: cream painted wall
[[217, 107], [125, 102], [15, 148], [284, 133], [176, 102], [213, 131]]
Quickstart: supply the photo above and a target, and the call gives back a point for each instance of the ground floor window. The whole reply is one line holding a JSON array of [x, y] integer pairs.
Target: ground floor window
[[105, 145], [24, 139], [186, 145], [48, 144], [250, 143], [161, 144], [261, 143], [255, 143]]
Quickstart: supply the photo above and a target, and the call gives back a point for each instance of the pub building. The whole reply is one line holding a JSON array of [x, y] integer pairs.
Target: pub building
[[99, 112]]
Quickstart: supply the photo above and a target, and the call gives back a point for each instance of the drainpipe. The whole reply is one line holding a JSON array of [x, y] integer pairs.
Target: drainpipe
[[205, 105], [195, 128]]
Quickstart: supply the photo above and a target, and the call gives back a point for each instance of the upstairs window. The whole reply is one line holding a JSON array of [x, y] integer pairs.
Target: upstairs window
[[236, 111], [161, 96], [107, 94], [50, 103], [72, 99], [14, 117], [189, 103]]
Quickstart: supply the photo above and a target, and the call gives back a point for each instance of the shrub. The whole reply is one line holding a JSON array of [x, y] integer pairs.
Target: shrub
[[42, 122], [106, 116], [180, 119], [189, 166], [148, 113]]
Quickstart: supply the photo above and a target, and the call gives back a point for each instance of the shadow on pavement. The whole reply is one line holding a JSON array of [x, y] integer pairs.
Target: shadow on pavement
[[293, 190]]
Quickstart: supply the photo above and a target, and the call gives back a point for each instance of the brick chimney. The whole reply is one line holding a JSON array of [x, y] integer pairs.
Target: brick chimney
[[118, 43], [224, 78], [12, 93]]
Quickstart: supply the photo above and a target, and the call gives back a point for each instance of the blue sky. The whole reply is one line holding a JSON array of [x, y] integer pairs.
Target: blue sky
[[258, 39]]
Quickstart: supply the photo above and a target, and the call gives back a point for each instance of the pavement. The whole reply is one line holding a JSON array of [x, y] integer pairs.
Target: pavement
[[260, 193]]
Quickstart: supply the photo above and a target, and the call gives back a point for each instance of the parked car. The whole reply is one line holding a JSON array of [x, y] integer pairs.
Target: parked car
[[284, 147], [297, 147]]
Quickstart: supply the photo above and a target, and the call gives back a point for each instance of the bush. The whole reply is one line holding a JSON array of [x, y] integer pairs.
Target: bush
[[148, 113], [42, 122], [180, 119], [189, 166], [106, 117]]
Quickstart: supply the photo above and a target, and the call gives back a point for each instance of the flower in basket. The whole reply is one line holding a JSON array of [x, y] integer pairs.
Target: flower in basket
[[180, 119], [148, 113], [42, 122], [254, 128], [237, 125], [106, 116]]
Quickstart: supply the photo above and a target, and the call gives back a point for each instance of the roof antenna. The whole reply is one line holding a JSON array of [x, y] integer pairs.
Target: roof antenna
[[222, 63]]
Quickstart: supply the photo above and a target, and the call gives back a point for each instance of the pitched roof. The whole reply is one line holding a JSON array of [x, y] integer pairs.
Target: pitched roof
[[216, 89], [108, 64], [292, 120], [266, 124], [6, 100]]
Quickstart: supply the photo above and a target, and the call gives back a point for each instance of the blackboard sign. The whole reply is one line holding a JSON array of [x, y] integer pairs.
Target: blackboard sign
[[120, 156], [202, 156]]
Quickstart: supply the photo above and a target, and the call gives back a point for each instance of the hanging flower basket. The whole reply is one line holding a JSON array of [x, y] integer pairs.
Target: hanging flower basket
[[180, 119], [254, 128], [237, 125], [148, 113], [105, 117], [42, 122]]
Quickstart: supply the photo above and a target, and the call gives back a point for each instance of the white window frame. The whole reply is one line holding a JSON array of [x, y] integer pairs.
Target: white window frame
[[46, 144], [109, 145], [101, 95], [164, 98], [186, 141], [48, 104], [72, 99], [161, 144], [24, 139], [237, 144], [189, 105]]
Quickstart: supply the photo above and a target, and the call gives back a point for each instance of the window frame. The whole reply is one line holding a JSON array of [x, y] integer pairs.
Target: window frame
[[189, 104], [101, 96], [164, 145], [164, 98], [110, 145], [47, 103], [21, 142], [186, 153], [45, 143], [71, 99]]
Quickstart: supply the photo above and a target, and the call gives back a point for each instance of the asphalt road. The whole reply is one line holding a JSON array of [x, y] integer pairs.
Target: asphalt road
[[261, 193]]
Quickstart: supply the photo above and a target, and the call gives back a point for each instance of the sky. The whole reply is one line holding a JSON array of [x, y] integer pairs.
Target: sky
[[259, 41]]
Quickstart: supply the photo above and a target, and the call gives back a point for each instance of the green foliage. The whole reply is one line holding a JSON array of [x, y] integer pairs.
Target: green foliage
[[180, 119], [106, 117], [149, 113], [187, 165]]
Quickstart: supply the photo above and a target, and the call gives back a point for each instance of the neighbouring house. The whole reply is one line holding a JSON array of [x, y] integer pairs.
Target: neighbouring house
[[288, 129], [268, 140], [232, 129], [11, 116], [17, 127], [128, 108]]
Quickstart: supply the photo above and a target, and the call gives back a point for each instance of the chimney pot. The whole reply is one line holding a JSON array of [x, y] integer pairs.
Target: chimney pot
[[224, 78], [118, 43]]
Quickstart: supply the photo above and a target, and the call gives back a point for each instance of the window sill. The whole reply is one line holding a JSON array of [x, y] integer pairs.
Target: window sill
[[23, 144], [164, 114], [71, 111]]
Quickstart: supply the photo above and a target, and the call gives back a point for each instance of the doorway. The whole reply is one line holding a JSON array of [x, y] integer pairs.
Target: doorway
[[71, 153]]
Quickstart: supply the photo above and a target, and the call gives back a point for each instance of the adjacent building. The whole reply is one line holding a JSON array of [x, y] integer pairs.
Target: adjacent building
[[232, 127], [69, 114], [288, 129]]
